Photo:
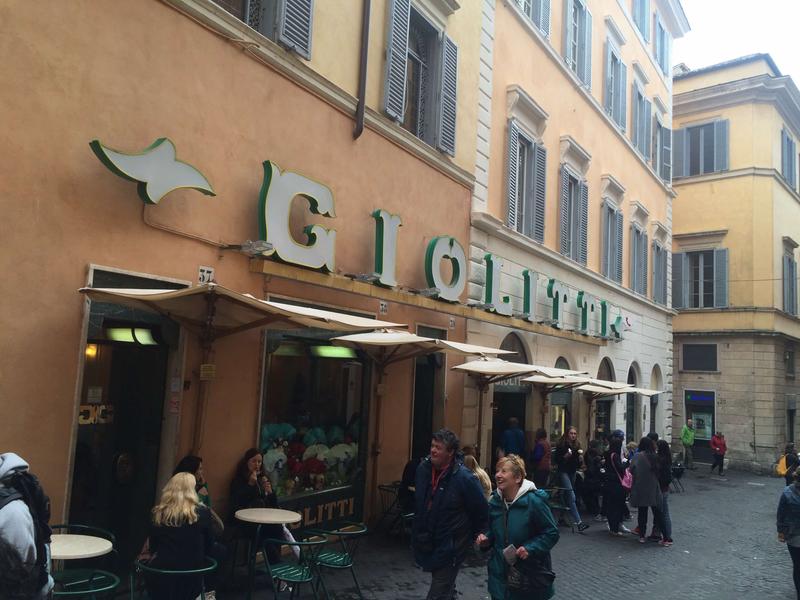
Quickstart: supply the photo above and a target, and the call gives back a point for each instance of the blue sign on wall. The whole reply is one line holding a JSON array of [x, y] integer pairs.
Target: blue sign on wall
[[695, 396]]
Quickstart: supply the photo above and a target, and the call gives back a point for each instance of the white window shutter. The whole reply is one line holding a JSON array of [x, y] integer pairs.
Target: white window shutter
[[646, 19], [563, 216], [721, 145], [544, 25], [609, 99], [295, 19], [512, 175], [448, 97], [657, 40], [539, 191], [720, 277], [568, 8], [394, 92]]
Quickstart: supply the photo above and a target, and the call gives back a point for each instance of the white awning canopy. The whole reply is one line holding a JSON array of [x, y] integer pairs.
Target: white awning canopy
[[214, 310]]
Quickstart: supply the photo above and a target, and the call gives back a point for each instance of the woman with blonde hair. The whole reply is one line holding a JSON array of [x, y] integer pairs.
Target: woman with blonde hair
[[521, 534], [180, 539], [483, 476]]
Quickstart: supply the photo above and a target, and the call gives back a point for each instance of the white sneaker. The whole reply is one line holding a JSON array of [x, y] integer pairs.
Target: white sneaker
[[624, 529]]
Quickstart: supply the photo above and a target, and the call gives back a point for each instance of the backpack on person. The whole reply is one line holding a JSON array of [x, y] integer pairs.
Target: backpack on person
[[23, 485]]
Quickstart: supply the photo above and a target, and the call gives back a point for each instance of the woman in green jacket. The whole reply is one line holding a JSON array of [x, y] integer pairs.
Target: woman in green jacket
[[518, 516]]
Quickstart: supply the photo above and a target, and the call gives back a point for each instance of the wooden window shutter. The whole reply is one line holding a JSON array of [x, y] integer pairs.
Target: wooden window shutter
[[680, 280], [648, 128], [394, 92], [568, 8], [643, 251], [585, 49], [720, 277], [448, 97], [721, 145], [634, 275], [295, 19], [512, 175], [563, 213], [666, 154], [618, 247], [539, 191], [606, 252], [680, 153], [583, 226], [787, 290], [609, 95], [544, 22], [623, 95]]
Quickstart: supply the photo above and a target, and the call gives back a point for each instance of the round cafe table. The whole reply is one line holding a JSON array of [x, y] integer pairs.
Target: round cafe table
[[268, 516], [263, 516], [71, 546]]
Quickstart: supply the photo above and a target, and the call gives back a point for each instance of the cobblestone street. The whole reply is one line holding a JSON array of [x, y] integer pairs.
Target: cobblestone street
[[725, 548]]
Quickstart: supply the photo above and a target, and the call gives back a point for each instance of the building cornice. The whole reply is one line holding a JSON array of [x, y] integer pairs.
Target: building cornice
[[580, 87], [746, 172], [213, 17], [779, 91], [495, 228]]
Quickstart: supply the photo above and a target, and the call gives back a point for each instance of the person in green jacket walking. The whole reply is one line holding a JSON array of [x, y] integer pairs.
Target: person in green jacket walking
[[687, 438], [518, 516]]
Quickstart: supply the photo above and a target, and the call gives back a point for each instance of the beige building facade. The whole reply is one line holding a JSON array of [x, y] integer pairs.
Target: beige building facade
[[572, 210], [735, 241]]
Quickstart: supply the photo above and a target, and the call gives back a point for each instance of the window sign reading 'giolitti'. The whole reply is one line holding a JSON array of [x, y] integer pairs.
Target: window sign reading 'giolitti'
[[445, 263]]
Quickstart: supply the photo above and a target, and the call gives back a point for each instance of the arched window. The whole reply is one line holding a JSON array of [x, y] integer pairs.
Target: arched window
[[630, 406], [512, 343], [603, 406], [655, 384]]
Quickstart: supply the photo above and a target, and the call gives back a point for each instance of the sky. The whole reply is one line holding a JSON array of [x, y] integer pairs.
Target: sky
[[726, 29]]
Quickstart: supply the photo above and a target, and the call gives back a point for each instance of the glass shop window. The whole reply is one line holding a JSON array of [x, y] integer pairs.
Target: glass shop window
[[311, 424]]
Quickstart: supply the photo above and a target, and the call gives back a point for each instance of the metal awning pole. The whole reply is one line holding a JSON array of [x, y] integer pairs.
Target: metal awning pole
[[204, 388]]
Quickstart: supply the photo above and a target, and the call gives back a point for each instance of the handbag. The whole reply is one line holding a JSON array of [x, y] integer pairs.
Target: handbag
[[626, 481], [531, 575]]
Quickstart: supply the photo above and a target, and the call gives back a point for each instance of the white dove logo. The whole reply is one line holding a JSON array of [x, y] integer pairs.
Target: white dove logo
[[156, 169]]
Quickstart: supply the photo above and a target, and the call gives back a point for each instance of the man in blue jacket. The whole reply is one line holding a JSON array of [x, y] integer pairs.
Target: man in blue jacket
[[450, 511]]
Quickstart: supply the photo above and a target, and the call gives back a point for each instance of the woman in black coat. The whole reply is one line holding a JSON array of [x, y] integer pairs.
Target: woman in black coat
[[251, 488], [614, 494], [180, 538]]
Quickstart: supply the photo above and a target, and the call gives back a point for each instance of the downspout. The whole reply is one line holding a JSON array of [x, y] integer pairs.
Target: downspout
[[362, 70]]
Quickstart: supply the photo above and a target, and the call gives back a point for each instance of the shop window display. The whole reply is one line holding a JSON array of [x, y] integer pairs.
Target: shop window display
[[311, 423]]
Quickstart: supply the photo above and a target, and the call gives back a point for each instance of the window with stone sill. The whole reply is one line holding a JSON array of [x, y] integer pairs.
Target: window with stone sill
[[538, 11]]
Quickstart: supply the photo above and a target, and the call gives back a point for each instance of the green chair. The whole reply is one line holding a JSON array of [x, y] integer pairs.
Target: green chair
[[140, 568], [296, 571], [85, 581], [341, 556]]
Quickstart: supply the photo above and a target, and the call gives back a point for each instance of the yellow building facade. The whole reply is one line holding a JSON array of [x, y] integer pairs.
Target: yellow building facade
[[735, 238], [572, 210]]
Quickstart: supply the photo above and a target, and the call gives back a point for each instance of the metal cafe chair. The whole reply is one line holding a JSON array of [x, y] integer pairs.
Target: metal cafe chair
[[141, 568], [295, 570], [341, 555], [390, 504]]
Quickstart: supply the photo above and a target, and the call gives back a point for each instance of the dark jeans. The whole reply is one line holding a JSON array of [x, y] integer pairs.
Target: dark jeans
[[658, 519], [540, 478], [718, 458], [794, 552], [443, 583], [614, 504]]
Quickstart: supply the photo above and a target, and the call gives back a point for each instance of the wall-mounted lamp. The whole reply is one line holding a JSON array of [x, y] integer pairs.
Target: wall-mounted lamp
[[250, 248], [91, 351], [131, 335]]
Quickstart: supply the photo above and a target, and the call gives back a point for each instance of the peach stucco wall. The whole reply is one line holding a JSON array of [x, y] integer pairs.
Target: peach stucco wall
[[127, 73]]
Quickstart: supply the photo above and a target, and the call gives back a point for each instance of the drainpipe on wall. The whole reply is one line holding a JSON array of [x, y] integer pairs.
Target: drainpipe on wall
[[362, 70]]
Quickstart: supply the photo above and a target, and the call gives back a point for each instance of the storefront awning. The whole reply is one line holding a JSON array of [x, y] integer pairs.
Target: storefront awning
[[216, 311], [492, 370], [599, 391]]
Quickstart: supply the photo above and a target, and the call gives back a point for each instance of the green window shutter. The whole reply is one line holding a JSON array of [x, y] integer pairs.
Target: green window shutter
[[448, 96], [605, 249], [563, 216], [568, 8], [623, 96], [618, 235], [720, 277], [585, 51], [394, 92], [583, 226], [721, 145], [295, 18], [680, 280], [512, 175], [666, 154], [680, 153], [609, 99], [539, 192]]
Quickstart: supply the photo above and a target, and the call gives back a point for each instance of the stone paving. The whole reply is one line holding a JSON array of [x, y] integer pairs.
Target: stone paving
[[725, 549]]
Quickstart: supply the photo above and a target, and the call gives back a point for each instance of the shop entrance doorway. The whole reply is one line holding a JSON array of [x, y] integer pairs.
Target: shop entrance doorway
[[507, 404], [428, 395], [116, 461], [701, 408], [630, 410]]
